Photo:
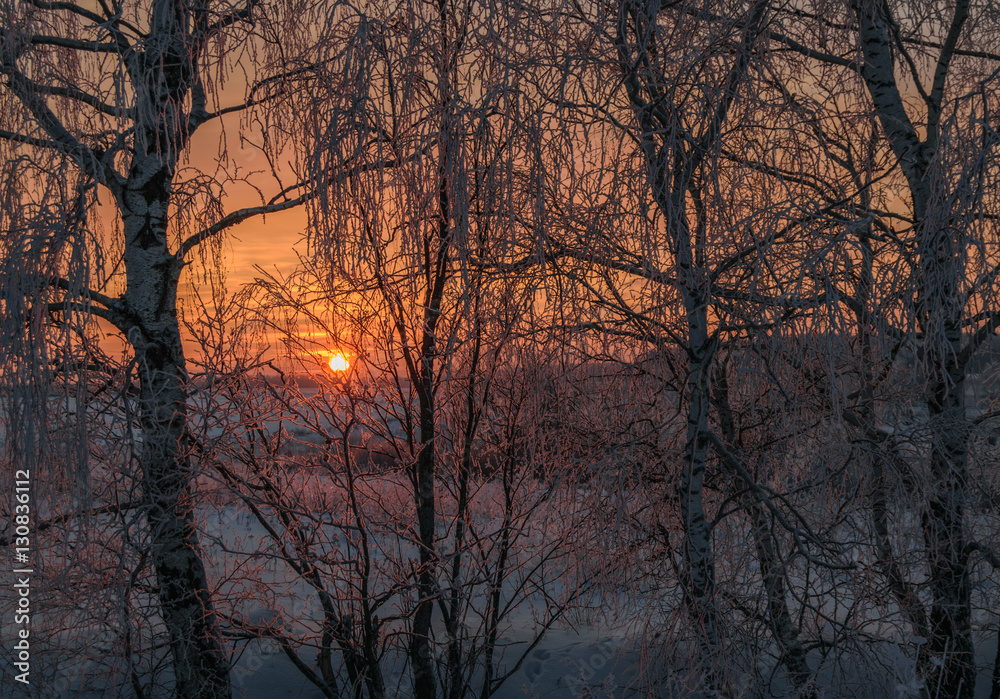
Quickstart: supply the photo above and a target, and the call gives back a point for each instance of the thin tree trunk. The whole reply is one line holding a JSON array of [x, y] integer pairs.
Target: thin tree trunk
[[673, 158], [456, 602], [786, 634], [793, 653], [699, 559], [424, 680], [457, 598], [995, 683], [952, 671], [944, 538], [902, 591], [373, 678], [499, 575]]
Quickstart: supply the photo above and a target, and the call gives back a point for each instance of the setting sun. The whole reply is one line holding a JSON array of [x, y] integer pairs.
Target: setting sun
[[338, 362]]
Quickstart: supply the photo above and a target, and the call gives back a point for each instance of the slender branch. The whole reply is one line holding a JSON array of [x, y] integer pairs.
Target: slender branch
[[235, 217], [62, 519], [75, 9], [977, 340], [106, 301], [77, 44], [30, 140], [113, 317], [79, 96], [941, 70], [799, 535]]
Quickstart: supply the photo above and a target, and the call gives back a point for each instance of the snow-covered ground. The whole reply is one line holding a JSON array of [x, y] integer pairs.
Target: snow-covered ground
[[587, 655]]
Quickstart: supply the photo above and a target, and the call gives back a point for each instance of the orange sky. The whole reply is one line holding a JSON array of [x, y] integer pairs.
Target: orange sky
[[270, 243]]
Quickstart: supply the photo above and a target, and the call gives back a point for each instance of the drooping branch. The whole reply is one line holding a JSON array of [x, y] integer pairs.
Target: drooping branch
[[277, 204], [238, 216], [78, 95], [116, 319], [86, 158]]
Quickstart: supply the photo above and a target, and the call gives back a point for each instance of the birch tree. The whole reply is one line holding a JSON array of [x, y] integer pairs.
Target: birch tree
[[100, 107], [676, 125], [444, 146], [929, 80]]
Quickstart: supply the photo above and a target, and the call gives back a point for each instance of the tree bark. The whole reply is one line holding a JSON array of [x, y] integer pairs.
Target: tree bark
[[699, 571], [950, 670], [673, 158], [152, 275], [421, 656]]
